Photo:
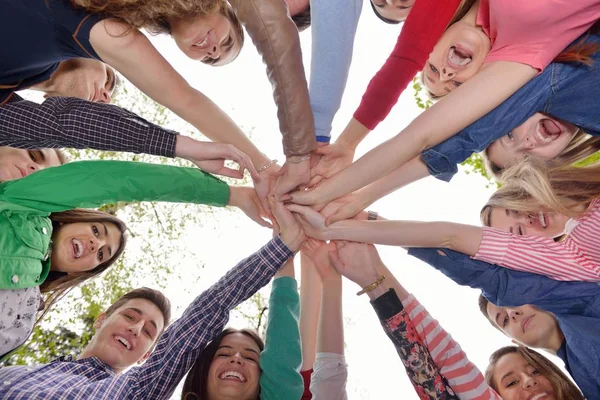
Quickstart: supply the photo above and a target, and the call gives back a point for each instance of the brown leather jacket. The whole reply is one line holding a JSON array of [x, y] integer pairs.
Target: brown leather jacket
[[276, 38]]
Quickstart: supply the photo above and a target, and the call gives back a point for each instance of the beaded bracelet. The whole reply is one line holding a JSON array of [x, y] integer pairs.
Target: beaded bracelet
[[267, 166]]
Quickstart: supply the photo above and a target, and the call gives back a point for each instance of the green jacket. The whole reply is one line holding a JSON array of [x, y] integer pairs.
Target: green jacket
[[280, 361], [25, 205]]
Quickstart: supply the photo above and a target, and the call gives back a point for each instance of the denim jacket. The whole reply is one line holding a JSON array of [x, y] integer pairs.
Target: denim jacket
[[576, 306], [567, 91]]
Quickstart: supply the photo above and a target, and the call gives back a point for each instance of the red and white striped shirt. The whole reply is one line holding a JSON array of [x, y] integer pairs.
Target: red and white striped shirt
[[576, 258], [463, 376]]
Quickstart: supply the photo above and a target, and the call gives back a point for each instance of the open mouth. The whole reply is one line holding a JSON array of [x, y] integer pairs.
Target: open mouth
[[458, 57], [548, 130], [124, 342], [77, 248], [233, 375]]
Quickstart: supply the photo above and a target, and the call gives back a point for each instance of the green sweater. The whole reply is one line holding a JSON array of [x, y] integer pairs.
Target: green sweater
[[280, 361], [25, 205]]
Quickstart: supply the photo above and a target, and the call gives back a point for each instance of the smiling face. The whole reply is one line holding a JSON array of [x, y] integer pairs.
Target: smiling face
[[86, 79], [393, 10], [546, 224], [18, 163], [526, 324], [517, 380], [127, 335], [456, 57], [82, 246], [207, 38], [234, 372], [540, 136]]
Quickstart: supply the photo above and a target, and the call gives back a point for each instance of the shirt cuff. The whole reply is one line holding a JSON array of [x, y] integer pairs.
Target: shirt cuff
[[323, 139], [387, 305], [439, 165]]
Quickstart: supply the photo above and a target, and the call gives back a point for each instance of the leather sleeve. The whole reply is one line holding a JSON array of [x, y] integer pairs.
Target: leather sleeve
[[276, 39]]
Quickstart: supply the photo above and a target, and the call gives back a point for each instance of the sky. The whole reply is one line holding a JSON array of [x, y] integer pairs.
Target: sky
[[242, 90]]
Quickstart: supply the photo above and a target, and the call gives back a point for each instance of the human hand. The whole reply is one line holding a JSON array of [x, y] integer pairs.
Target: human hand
[[335, 157], [345, 207], [263, 186], [357, 262], [290, 231], [210, 157], [318, 251], [312, 221], [246, 199], [291, 176]]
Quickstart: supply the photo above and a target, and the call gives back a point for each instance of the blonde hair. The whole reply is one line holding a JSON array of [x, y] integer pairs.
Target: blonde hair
[[579, 148], [564, 389], [533, 186]]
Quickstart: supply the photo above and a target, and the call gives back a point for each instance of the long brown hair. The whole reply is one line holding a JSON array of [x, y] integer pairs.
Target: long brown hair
[[564, 389], [195, 386], [532, 186], [59, 284]]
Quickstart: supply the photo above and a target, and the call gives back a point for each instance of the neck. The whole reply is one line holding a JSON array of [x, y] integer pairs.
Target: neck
[[89, 352], [471, 15], [554, 342], [46, 86]]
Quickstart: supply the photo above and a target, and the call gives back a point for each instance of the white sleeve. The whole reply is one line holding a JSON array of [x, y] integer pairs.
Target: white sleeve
[[329, 377]]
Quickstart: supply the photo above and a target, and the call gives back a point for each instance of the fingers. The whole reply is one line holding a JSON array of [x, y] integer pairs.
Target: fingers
[[232, 173], [340, 215], [335, 260], [315, 180], [302, 210], [325, 150], [250, 167]]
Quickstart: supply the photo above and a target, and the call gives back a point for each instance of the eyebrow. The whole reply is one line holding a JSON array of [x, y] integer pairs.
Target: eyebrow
[[247, 349], [140, 312], [106, 235]]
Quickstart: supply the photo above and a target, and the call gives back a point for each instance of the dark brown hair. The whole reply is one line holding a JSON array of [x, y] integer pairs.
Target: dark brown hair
[[195, 386], [59, 284], [154, 296], [564, 389], [302, 19]]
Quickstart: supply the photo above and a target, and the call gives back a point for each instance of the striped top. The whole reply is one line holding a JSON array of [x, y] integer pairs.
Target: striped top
[[462, 375], [576, 258]]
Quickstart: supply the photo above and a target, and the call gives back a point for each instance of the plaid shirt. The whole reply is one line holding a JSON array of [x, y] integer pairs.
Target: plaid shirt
[[175, 353], [72, 122]]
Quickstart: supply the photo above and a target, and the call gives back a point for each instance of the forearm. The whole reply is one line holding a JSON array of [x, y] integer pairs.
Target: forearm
[[459, 237], [206, 316], [76, 123], [334, 25], [331, 323], [135, 57], [310, 299], [460, 108], [408, 173], [107, 182], [276, 39], [353, 134]]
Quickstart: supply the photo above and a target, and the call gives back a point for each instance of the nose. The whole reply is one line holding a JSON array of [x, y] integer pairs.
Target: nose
[[527, 143], [514, 314], [136, 328], [447, 74], [95, 244], [529, 382], [214, 52], [31, 167], [236, 359]]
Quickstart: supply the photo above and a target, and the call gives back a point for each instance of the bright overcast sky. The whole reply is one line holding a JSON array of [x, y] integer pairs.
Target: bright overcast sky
[[243, 91]]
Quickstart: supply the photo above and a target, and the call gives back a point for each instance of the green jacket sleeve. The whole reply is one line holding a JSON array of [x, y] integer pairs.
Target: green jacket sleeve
[[91, 184], [280, 361]]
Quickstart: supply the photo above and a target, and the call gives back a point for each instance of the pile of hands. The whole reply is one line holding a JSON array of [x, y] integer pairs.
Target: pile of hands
[[290, 200]]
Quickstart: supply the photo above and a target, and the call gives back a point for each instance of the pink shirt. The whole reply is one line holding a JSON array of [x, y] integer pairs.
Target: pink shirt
[[534, 32], [576, 258]]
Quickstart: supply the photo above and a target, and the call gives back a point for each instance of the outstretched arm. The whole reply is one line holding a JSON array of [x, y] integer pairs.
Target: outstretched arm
[[458, 109], [135, 57]]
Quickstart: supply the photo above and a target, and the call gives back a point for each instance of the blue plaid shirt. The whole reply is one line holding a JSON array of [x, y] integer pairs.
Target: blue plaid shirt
[[175, 353]]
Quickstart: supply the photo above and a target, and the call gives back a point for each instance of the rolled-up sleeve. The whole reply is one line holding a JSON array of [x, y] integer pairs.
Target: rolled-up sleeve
[[328, 380]]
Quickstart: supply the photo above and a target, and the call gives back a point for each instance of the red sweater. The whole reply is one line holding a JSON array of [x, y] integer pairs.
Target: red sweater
[[423, 28]]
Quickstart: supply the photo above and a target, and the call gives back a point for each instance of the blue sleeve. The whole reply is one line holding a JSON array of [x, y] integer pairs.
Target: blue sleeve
[[280, 361], [334, 25], [502, 286], [442, 160]]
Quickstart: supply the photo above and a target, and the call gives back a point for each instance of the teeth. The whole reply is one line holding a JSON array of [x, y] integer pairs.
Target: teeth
[[457, 59], [78, 248], [233, 374], [539, 396], [124, 341], [543, 220]]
